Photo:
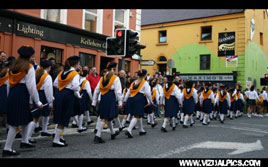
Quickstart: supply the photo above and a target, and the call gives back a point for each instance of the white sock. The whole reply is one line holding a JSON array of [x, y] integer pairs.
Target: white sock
[[119, 122], [48, 120], [10, 137], [75, 120], [228, 112], [123, 122], [132, 124], [182, 114], [140, 125], [57, 136], [110, 125], [128, 117], [173, 121], [185, 120], [222, 117], [44, 123], [192, 119], [197, 114], [80, 121], [31, 127], [215, 113], [231, 114], [88, 116], [152, 118], [165, 123], [61, 136], [208, 119], [204, 119], [98, 121], [56, 125], [201, 115], [99, 128], [24, 133]]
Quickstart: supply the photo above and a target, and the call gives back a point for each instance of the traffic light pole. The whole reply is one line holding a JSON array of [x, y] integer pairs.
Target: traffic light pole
[[123, 63]]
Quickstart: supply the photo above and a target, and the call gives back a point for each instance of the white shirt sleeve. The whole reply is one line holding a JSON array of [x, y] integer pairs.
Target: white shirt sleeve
[[177, 94], [48, 88], [228, 100], [96, 94], [118, 90], [157, 97], [201, 98], [147, 92], [88, 89], [127, 95], [195, 96], [217, 99], [75, 83], [31, 86], [55, 84], [182, 98]]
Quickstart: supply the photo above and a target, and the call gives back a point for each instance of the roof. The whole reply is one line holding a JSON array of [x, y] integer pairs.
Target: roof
[[156, 16]]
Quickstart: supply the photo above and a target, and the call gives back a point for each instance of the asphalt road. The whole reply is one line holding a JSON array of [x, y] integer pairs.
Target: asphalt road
[[237, 138]]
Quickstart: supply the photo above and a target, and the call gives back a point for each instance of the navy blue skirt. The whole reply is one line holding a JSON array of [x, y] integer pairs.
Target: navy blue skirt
[[126, 108], [223, 107], [18, 112], [84, 101], [251, 102], [77, 108], [45, 110], [136, 105], [198, 107], [207, 106], [188, 106], [239, 105], [3, 99], [233, 106], [151, 108], [64, 107], [171, 107], [107, 106]]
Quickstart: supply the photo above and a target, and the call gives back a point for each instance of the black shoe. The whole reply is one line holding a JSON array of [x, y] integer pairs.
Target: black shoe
[[153, 125], [98, 140], [32, 141], [221, 121], [95, 131], [181, 122], [7, 153], [59, 145], [114, 135], [120, 129], [148, 123], [191, 125], [173, 128], [134, 128], [26, 145], [231, 118], [197, 118], [128, 134], [142, 133], [90, 122], [61, 140], [204, 123], [18, 135], [45, 134], [201, 120], [74, 126], [184, 126], [38, 129], [81, 130], [127, 122], [163, 129]]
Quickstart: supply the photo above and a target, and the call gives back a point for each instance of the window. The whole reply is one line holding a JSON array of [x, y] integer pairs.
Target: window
[[121, 19], [206, 33], [162, 36], [49, 52], [204, 62], [92, 20], [56, 15], [87, 59], [261, 38]]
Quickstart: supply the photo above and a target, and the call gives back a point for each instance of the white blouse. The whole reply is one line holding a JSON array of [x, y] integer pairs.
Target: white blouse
[[48, 88]]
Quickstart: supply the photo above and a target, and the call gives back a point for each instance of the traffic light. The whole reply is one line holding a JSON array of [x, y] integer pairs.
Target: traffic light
[[131, 43], [116, 46]]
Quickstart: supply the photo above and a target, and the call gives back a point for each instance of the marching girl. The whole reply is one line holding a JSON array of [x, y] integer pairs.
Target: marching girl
[[239, 103], [85, 92], [155, 97], [223, 101], [189, 99], [110, 89], [233, 99], [206, 101], [22, 87], [67, 83], [265, 103], [215, 107], [170, 103], [126, 107], [135, 96], [198, 107], [44, 87]]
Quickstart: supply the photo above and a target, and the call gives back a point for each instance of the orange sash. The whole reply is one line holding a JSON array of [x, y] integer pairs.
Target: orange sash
[[261, 100], [4, 79], [125, 91], [14, 79], [82, 86], [186, 95], [168, 93], [153, 94], [62, 83], [106, 89], [41, 81], [238, 95], [221, 99], [133, 92], [206, 95], [198, 95], [232, 98]]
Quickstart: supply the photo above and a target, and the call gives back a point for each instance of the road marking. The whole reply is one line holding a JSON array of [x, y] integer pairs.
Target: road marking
[[238, 147]]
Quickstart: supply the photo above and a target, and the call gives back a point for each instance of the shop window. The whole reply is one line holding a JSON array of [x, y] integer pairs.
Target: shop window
[[87, 59], [206, 33], [56, 15], [50, 52], [204, 62], [162, 36]]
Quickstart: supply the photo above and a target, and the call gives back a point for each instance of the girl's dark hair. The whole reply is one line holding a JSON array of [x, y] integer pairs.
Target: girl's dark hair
[[252, 88], [20, 65], [69, 63]]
